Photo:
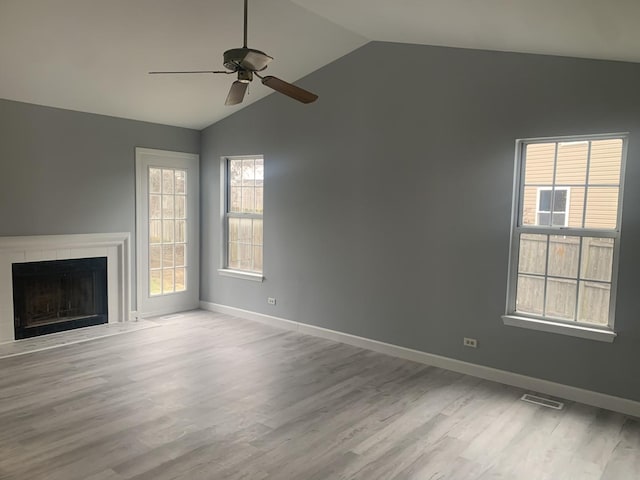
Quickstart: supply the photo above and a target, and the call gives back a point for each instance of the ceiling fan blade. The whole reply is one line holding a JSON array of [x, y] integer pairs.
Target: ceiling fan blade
[[289, 90], [192, 71], [236, 93]]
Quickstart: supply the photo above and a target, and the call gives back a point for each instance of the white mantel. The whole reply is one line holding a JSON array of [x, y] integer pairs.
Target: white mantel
[[114, 246]]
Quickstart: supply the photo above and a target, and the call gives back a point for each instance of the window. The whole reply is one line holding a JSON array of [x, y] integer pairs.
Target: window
[[167, 230], [560, 206], [566, 232], [244, 185]]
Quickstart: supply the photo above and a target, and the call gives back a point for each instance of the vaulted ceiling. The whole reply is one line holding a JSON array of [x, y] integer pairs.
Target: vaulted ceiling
[[94, 55]]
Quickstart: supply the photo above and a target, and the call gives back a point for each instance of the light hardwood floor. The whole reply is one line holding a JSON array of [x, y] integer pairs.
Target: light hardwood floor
[[209, 396]]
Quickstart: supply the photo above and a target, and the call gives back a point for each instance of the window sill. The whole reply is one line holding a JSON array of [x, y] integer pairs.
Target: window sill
[[254, 277], [601, 335]]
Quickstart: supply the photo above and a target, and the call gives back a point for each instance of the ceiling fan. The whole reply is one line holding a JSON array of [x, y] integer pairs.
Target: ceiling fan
[[247, 62]]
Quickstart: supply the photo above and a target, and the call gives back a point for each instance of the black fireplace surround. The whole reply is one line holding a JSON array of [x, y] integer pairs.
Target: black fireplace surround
[[58, 295]]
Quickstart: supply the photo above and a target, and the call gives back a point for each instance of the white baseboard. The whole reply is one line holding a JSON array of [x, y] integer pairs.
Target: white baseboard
[[588, 397]]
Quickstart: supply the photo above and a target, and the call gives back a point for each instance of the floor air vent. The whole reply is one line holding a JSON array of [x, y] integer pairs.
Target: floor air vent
[[545, 402]]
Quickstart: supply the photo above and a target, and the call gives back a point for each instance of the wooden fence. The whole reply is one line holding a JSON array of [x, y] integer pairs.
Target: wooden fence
[[593, 289]]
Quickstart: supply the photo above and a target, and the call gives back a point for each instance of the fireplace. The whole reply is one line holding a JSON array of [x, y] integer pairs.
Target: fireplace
[[41, 248], [56, 295]]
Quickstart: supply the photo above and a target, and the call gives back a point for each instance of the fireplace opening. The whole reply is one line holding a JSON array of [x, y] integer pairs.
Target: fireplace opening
[[58, 295]]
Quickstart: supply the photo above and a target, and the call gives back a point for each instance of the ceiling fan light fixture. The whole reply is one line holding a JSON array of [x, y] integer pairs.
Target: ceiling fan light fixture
[[245, 76]]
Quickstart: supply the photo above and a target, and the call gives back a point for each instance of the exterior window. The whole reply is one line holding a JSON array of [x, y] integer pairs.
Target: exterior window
[[243, 213], [560, 205], [566, 230]]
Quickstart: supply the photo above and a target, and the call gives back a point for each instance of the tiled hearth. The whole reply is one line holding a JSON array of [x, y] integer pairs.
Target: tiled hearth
[[114, 246]]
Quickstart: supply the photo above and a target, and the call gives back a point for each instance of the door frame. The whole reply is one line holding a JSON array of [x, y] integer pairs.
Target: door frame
[[144, 159]]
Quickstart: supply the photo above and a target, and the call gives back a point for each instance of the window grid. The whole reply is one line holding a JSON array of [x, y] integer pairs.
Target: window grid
[[244, 213], [167, 231], [581, 234]]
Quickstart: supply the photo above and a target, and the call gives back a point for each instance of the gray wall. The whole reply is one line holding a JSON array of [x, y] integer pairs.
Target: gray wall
[[69, 172], [388, 202]]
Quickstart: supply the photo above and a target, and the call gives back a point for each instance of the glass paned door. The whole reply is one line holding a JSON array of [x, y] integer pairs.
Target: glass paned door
[[167, 231]]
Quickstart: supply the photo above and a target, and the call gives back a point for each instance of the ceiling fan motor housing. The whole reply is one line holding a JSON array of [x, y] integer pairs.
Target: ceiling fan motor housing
[[246, 59]]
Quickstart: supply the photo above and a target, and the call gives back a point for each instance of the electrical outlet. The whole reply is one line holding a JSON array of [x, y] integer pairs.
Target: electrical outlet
[[470, 342], [271, 301]]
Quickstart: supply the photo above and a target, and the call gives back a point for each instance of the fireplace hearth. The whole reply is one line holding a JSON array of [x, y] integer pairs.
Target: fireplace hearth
[[56, 295]]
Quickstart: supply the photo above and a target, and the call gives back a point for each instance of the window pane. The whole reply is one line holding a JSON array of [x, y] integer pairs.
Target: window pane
[[257, 259], [234, 229], [544, 204], [155, 282], [167, 206], [154, 206], [606, 159], [244, 256], [155, 231], [234, 255], [257, 232], [155, 179], [180, 280], [259, 201], [181, 206], [597, 259], [539, 160], [155, 256], [571, 168], [558, 219], [560, 200], [235, 199], [530, 294], [602, 207], [533, 254], [246, 230], [167, 280], [181, 231], [575, 207], [593, 306], [544, 219], [530, 206], [561, 298], [248, 173], [167, 231], [235, 172], [259, 172], [167, 181], [248, 200], [563, 256], [181, 181], [167, 256], [180, 255]]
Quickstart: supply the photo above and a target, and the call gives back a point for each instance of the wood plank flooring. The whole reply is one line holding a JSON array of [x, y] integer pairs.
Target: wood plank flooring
[[209, 396]]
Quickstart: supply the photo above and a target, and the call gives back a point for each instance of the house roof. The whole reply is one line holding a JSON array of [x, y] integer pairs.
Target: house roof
[[94, 56]]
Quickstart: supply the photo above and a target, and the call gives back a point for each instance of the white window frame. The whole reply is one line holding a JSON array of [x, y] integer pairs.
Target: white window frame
[[566, 207], [225, 271], [546, 324]]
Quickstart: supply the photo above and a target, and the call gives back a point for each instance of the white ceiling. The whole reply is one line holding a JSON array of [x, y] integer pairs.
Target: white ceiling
[[94, 55]]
